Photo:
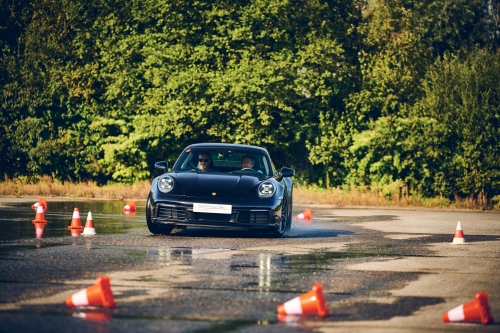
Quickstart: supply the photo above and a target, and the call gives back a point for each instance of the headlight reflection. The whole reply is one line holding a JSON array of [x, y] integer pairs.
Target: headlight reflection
[[264, 270]]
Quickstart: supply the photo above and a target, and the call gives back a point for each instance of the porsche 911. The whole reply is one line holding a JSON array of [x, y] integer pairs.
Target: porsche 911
[[218, 185]]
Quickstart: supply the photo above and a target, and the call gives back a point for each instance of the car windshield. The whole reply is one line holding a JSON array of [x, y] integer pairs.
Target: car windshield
[[224, 160]]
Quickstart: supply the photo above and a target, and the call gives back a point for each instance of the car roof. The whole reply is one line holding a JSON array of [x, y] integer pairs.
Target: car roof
[[225, 145]]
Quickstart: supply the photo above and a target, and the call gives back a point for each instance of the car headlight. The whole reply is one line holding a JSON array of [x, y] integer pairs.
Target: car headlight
[[166, 184], [266, 190]]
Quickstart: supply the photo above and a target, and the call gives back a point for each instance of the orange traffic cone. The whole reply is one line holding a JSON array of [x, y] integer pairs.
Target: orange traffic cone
[[458, 238], [75, 233], [476, 310], [89, 226], [75, 221], [98, 294], [309, 303], [42, 202], [40, 216], [39, 229], [306, 215], [130, 207]]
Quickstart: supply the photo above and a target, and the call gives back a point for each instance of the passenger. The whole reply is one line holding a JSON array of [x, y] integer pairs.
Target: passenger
[[205, 162], [247, 162]]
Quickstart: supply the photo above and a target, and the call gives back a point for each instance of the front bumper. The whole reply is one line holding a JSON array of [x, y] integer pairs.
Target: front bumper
[[243, 216]]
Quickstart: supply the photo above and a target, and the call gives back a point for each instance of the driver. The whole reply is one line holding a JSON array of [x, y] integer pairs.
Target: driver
[[247, 162], [205, 162]]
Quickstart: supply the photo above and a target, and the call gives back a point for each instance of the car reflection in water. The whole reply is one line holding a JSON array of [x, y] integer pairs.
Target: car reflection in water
[[183, 256], [265, 262]]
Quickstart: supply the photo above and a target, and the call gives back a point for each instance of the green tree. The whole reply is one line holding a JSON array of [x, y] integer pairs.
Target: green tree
[[393, 59], [464, 96], [400, 150], [391, 64], [452, 25], [47, 84], [449, 141], [400, 40], [231, 71]]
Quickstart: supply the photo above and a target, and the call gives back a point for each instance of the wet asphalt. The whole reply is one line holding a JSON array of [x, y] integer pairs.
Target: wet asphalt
[[198, 279]]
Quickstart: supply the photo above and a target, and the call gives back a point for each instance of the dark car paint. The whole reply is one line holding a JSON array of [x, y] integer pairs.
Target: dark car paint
[[202, 184], [238, 190]]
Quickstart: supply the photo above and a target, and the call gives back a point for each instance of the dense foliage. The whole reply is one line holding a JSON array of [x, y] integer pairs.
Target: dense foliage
[[347, 92]]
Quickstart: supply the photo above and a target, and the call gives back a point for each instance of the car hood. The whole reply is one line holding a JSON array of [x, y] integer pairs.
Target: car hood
[[219, 186]]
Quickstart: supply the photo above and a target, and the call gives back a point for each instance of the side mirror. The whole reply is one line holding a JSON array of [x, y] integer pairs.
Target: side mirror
[[162, 166], [286, 172]]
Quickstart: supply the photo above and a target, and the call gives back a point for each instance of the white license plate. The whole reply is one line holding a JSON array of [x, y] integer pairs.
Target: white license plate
[[212, 208]]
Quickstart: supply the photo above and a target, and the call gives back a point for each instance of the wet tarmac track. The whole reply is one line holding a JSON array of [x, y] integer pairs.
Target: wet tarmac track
[[199, 280]]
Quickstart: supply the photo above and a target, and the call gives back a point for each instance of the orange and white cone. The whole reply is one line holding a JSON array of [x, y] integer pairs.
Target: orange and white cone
[[76, 233], [39, 229], [40, 215], [42, 202], [458, 238], [75, 221], [130, 207], [306, 215], [476, 310], [309, 303], [98, 294], [89, 226]]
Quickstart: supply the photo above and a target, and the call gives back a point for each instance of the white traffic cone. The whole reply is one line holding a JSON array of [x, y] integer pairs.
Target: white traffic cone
[[89, 226], [458, 238]]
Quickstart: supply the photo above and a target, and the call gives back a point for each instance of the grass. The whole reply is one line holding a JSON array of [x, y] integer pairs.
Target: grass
[[379, 197], [46, 186], [372, 196]]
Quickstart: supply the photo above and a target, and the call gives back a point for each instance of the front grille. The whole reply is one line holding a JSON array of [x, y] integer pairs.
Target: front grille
[[171, 213], [183, 214], [261, 217]]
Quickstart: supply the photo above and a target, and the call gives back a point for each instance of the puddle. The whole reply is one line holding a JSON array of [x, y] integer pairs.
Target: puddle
[[16, 219], [216, 277], [353, 252], [183, 256], [260, 281], [264, 272], [268, 261], [234, 325], [9, 248], [94, 316]]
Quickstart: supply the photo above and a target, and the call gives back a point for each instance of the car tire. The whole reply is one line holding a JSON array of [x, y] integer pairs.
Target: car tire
[[286, 219], [290, 210], [154, 228]]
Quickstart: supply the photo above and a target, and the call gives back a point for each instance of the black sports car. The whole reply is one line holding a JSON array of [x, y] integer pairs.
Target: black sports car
[[221, 186]]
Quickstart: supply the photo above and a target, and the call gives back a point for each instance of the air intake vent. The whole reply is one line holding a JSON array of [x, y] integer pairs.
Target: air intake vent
[[171, 213], [259, 217]]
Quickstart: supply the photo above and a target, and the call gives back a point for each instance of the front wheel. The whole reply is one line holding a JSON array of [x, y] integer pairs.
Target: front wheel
[[285, 219], [153, 227], [290, 212]]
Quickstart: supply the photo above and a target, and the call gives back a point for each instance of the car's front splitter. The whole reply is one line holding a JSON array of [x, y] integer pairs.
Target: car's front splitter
[[216, 225]]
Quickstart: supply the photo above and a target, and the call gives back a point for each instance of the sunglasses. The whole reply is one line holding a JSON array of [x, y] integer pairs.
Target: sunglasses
[[203, 160]]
